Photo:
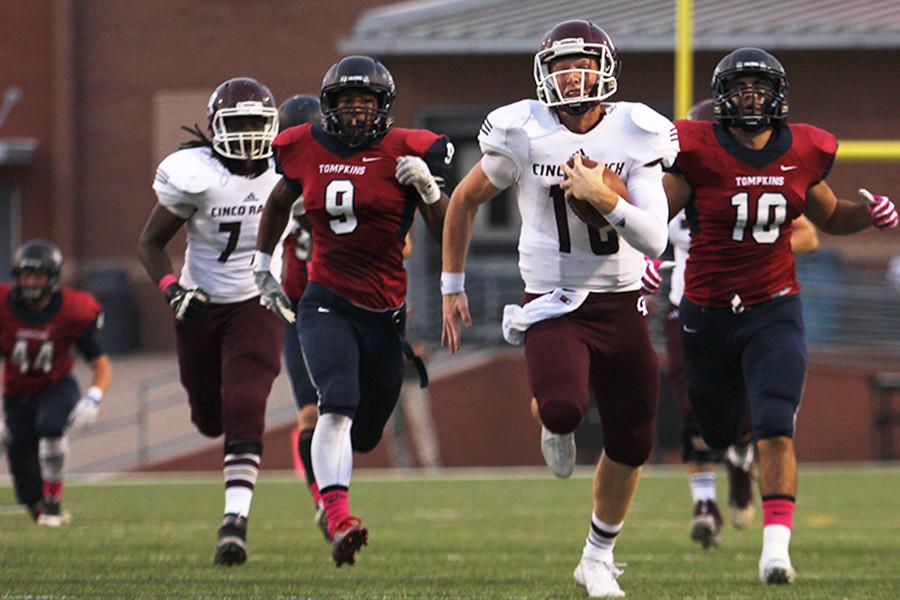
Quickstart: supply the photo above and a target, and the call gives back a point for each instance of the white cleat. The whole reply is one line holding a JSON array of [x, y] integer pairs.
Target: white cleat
[[776, 571], [599, 578], [559, 452], [64, 518]]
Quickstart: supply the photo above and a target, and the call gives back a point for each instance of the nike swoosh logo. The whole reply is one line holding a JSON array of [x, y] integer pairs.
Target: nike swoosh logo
[[687, 329], [370, 158], [787, 168], [322, 309]]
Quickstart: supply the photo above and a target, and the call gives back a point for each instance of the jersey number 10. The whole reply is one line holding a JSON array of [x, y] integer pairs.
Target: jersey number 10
[[771, 211], [603, 243]]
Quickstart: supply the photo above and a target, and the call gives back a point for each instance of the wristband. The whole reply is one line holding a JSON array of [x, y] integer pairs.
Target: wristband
[[261, 261], [94, 394], [453, 283], [166, 280], [433, 193]]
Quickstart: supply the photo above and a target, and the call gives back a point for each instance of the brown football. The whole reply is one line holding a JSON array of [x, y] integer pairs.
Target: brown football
[[585, 210]]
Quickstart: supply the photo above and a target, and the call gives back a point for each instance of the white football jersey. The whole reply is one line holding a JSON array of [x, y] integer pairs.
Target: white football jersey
[[556, 248], [222, 212], [680, 238]]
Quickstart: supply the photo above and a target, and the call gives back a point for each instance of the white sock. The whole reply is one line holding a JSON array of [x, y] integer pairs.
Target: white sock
[[600, 540], [776, 542], [332, 451], [241, 471], [703, 486]]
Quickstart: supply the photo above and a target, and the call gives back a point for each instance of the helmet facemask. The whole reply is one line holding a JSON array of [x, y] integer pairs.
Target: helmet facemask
[[369, 125], [233, 141], [596, 84]]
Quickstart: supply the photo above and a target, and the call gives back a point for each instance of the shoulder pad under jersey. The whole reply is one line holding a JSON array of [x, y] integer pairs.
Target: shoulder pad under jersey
[[503, 132], [189, 171], [655, 137]]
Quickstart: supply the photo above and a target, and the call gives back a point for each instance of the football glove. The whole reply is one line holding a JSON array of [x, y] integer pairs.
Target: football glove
[[186, 304], [272, 296], [85, 412], [412, 170], [302, 245], [882, 212], [652, 278]]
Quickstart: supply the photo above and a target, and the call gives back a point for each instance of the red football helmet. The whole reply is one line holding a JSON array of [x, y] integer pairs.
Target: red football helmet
[[576, 38], [243, 119]]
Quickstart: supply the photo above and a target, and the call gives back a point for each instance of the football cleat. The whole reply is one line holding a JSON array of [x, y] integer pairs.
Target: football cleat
[[558, 451], [706, 524], [599, 578], [51, 514], [740, 487], [776, 571], [322, 520], [231, 549], [349, 537]]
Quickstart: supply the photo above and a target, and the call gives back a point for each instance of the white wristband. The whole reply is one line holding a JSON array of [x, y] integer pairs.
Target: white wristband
[[94, 394], [453, 283], [615, 216], [261, 261], [431, 194]]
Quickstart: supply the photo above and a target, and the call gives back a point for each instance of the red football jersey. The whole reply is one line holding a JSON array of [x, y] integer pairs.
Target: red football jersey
[[743, 205], [358, 210], [293, 278], [36, 348]]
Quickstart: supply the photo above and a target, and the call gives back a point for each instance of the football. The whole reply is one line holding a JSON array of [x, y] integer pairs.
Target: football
[[583, 209]]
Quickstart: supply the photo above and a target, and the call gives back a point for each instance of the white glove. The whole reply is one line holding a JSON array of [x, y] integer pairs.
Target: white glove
[[412, 170], [302, 245], [272, 296], [85, 412]]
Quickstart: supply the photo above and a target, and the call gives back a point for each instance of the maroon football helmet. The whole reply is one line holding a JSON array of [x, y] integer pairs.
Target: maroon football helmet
[[573, 39], [701, 111], [232, 106]]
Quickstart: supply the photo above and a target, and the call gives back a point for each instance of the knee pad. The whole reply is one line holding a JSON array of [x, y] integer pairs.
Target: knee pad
[[632, 449], [208, 427], [774, 418], [364, 440], [692, 453], [560, 417]]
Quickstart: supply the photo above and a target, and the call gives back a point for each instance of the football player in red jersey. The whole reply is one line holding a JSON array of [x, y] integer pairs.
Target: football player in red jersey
[[39, 322], [295, 111], [362, 181], [706, 522], [229, 347], [742, 180]]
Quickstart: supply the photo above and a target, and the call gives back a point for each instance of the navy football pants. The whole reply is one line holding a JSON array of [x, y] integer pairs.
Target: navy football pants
[[28, 419], [756, 357], [355, 360], [304, 392]]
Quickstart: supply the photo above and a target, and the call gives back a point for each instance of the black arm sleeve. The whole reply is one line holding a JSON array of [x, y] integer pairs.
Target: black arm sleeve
[[439, 158], [88, 344]]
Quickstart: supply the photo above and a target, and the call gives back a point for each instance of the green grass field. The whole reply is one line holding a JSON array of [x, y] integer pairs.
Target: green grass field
[[492, 536]]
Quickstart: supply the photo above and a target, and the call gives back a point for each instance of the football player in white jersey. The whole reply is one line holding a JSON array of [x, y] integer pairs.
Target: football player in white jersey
[[229, 346], [584, 321]]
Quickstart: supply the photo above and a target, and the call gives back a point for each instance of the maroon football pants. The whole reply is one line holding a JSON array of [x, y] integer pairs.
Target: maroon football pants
[[228, 356], [601, 352]]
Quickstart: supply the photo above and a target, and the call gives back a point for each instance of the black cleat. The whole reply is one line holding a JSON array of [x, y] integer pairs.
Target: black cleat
[[347, 540], [706, 524], [231, 550]]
